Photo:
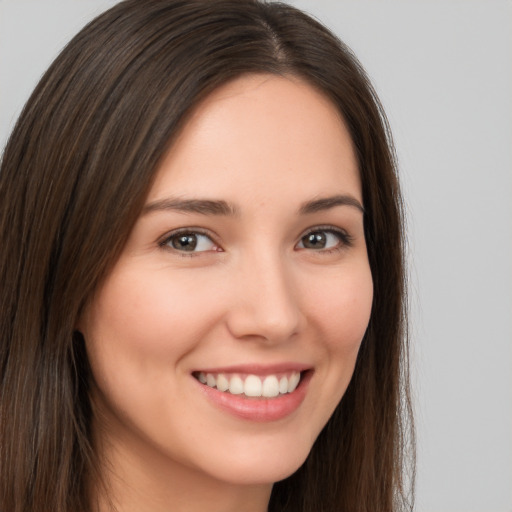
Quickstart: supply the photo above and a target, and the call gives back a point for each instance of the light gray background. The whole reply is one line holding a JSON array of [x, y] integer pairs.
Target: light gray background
[[443, 69]]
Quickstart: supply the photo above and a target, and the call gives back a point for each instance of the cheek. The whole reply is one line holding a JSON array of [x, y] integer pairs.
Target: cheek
[[149, 316], [339, 309], [342, 313], [342, 308], [139, 327]]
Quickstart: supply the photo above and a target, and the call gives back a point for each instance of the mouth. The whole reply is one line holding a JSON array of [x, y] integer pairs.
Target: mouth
[[250, 385], [258, 393]]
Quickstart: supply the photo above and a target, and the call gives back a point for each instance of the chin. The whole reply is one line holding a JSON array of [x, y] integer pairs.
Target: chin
[[260, 467]]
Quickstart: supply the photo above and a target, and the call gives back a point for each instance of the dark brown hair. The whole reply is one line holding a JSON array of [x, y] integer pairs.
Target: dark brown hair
[[74, 177]]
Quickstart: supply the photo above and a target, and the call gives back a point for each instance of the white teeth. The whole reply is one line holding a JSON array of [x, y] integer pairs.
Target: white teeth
[[222, 382], [210, 380], [293, 382], [252, 386], [236, 385], [270, 386]]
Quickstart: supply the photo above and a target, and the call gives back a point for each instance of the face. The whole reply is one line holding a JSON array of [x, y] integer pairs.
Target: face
[[227, 332]]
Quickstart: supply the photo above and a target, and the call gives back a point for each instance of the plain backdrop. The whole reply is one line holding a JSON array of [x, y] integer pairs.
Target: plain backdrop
[[443, 70]]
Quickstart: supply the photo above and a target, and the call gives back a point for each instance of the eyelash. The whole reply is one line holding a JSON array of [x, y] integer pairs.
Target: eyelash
[[164, 243], [345, 240]]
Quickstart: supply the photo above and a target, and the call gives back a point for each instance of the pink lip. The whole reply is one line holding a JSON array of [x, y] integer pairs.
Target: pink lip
[[257, 409], [257, 369]]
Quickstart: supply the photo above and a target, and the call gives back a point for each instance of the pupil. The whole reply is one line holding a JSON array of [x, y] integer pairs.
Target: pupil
[[315, 241], [185, 242]]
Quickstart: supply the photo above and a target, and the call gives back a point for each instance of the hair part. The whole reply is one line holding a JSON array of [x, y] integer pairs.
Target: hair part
[[73, 180]]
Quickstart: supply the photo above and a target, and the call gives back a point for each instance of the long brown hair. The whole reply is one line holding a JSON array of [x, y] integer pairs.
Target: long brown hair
[[74, 177]]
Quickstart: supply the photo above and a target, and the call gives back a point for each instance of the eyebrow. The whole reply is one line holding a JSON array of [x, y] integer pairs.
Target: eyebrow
[[201, 206], [326, 203], [221, 207]]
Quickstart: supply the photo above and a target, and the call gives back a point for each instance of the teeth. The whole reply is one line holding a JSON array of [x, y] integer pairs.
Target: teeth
[[236, 385], [252, 385], [222, 382], [270, 386], [293, 382]]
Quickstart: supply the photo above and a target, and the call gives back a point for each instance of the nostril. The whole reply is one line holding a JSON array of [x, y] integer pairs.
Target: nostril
[[253, 325], [265, 307]]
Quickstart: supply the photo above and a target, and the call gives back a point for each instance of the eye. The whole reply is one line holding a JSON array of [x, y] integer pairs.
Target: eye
[[190, 241], [324, 239]]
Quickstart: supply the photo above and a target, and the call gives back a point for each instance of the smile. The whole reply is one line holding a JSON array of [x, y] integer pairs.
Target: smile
[[254, 386]]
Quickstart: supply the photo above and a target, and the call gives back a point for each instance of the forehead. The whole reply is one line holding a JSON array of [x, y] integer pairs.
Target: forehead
[[274, 133]]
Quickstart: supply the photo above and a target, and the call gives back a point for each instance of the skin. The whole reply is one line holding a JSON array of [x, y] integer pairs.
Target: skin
[[252, 293]]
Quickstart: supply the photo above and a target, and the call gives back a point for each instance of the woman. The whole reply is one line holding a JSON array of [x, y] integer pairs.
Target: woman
[[203, 292]]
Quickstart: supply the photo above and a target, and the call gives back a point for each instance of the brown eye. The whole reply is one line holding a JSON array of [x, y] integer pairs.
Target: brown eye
[[190, 242], [324, 239], [184, 242], [316, 240]]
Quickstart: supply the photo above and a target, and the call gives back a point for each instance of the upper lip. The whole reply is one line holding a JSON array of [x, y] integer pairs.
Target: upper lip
[[257, 369]]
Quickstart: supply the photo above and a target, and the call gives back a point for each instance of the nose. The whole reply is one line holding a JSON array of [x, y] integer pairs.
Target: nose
[[265, 305]]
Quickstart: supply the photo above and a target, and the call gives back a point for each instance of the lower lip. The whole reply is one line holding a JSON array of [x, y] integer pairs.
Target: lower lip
[[259, 409]]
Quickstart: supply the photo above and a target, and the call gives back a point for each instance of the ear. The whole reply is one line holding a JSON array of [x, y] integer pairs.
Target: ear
[[82, 322]]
